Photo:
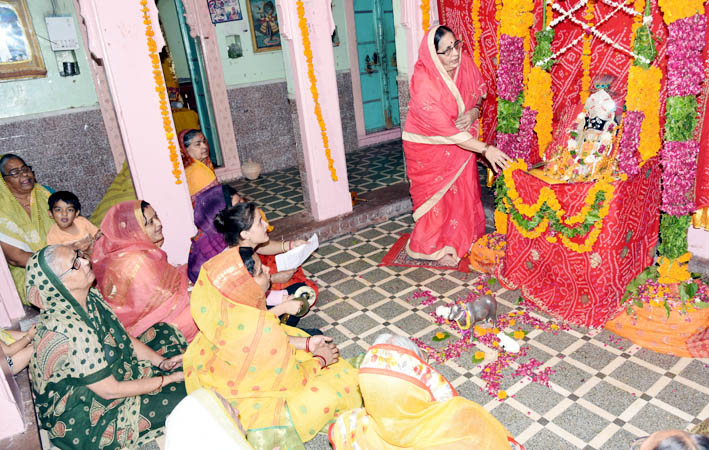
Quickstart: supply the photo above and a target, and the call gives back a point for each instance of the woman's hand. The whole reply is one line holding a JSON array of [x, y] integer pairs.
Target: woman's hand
[[283, 276], [289, 306], [318, 341], [496, 157], [466, 120], [296, 243], [174, 377], [169, 364], [326, 348]]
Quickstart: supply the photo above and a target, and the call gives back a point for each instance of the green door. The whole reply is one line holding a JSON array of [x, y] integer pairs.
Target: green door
[[376, 54], [195, 62]]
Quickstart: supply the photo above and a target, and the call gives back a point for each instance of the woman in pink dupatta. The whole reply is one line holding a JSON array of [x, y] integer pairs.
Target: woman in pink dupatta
[[133, 273], [441, 146]]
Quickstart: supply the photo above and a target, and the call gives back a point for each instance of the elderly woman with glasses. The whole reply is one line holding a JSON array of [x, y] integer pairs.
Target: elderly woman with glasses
[[94, 385], [23, 216], [441, 146]]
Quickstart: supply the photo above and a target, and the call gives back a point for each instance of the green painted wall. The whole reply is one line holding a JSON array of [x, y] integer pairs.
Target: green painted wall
[[53, 92], [171, 30], [269, 66], [402, 64]]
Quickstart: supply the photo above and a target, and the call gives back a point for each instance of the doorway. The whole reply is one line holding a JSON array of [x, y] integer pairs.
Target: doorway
[[188, 62], [376, 59]]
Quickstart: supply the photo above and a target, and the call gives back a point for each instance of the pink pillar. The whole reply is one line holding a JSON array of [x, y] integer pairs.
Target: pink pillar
[[10, 305], [201, 27], [116, 35], [412, 21], [11, 414], [108, 113], [328, 198]]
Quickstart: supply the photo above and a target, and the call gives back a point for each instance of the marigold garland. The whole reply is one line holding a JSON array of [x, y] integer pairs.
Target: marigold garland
[[586, 53], [547, 213], [644, 96], [303, 25], [517, 18], [673, 10], [477, 31], [162, 92], [425, 15], [526, 64], [539, 97], [498, 19]]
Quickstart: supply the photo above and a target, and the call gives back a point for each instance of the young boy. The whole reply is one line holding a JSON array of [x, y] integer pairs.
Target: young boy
[[70, 228]]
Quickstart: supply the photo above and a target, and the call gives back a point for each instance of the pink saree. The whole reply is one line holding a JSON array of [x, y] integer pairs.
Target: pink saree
[[136, 279], [445, 189]]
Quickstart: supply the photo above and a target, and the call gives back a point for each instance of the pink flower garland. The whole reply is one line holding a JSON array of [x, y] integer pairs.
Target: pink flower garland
[[509, 73], [628, 147], [679, 166], [685, 73], [685, 67], [519, 145]]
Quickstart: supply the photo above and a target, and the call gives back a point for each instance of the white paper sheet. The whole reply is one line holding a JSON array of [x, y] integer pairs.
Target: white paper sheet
[[294, 258]]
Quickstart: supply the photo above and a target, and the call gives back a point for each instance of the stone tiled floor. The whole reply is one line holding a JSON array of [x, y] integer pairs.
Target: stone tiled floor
[[280, 193], [604, 392]]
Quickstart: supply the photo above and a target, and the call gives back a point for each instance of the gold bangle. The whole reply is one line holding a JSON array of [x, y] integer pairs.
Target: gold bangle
[[283, 245]]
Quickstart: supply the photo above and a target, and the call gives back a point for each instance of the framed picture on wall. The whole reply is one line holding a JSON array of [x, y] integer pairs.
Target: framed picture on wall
[[224, 10], [20, 56], [265, 32]]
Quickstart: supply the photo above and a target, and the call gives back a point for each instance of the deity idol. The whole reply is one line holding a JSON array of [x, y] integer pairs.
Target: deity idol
[[589, 152]]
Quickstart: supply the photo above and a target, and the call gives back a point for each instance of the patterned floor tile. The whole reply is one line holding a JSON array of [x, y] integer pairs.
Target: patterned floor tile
[[603, 392]]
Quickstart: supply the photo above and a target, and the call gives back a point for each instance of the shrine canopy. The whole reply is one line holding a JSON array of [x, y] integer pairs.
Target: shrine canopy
[[613, 22]]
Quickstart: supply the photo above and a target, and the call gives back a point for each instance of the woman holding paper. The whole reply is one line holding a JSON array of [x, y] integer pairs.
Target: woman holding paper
[[243, 225]]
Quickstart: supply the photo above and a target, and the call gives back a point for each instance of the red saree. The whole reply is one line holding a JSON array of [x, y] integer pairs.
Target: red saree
[[136, 279], [445, 189]]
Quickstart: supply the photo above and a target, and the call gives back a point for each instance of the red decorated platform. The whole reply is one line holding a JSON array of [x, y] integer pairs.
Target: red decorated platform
[[585, 288]]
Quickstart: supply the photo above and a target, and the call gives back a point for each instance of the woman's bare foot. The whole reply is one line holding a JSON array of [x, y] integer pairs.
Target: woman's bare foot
[[449, 260]]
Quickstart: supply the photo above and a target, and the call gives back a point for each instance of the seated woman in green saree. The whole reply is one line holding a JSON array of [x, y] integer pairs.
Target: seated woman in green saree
[[94, 385]]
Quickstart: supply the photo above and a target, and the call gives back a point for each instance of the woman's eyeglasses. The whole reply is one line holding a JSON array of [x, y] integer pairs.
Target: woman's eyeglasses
[[16, 172], [76, 263], [447, 52]]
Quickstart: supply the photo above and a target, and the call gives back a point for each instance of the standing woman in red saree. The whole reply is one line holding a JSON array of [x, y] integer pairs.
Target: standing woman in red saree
[[441, 147]]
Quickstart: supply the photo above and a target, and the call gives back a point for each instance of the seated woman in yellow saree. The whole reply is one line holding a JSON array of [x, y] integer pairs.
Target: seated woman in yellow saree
[[199, 169], [409, 405], [284, 394]]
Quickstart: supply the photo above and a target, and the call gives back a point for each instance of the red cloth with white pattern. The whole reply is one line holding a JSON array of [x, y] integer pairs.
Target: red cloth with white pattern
[[583, 288], [586, 288]]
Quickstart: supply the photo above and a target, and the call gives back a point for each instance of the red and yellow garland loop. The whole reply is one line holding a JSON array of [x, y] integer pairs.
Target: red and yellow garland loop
[[162, 92], [547, 195], [303, 25]]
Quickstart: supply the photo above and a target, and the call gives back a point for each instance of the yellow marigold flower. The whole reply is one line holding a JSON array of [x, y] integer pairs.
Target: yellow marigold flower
[[440, 335], [512, 322], [479, 355], [554, 326], [480, 331], [518, 334], [502, 395]]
